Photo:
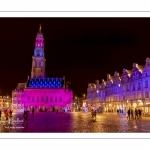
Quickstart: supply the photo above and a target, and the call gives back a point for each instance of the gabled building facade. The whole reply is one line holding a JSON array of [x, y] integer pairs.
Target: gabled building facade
[[129, 90]]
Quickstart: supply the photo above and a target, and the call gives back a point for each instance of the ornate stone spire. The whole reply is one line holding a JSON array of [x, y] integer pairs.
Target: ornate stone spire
[[40, 28]]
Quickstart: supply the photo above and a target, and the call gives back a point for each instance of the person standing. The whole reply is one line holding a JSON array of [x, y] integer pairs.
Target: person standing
[[25, 115], [33, 111], [128, 114], [6, 115], [139, 112], [132, 116], [117, 112], [0, 114], [10, 116], [136, 113]]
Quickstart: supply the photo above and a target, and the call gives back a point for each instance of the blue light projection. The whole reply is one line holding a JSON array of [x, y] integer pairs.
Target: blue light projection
[[45, 83]]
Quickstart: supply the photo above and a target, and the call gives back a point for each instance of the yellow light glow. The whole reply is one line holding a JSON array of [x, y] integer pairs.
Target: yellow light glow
[[134, 104]]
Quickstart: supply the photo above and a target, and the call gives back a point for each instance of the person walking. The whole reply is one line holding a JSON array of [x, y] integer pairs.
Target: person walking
[[33, 111], [10, 116], [25, 115], [132, 116], [140, 113], [117, 112], [128, 114], [56, 109], [0, 114], [92, 111], [6, 115], [136, 113]]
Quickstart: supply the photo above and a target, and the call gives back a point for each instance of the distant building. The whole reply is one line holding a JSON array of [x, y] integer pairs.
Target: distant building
[[5, 102], [41, 92], [131, 89]]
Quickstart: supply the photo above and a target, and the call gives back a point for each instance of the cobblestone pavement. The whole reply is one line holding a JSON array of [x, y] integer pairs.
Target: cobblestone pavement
[[75, 122]]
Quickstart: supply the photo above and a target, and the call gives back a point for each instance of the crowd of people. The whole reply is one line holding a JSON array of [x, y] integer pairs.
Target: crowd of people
[[134, 114], [7, 115]]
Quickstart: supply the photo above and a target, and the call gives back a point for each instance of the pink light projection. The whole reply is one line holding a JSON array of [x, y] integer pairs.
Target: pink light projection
[[40, 92]]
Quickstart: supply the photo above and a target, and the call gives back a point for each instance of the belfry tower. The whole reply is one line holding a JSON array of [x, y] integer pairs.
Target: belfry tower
[[38, 60]]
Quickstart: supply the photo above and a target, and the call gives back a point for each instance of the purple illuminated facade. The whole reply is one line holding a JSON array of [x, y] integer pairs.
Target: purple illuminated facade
[[131, 89], [41, 92]]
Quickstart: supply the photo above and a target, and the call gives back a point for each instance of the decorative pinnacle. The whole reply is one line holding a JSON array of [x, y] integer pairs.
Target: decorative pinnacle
[[40, 28]]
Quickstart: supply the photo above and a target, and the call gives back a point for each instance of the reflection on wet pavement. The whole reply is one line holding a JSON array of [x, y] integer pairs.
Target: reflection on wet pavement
[[75, 122]]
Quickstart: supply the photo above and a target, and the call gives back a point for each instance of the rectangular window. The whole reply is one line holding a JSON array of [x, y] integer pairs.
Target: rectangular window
[[46, 98], [146, 84], [32, 99], [139, 86], [55, 98], [51, 99], [146, 94], [133, 87]]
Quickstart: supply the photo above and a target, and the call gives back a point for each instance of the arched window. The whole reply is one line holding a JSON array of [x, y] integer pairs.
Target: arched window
[[60, 99], [51, 99]]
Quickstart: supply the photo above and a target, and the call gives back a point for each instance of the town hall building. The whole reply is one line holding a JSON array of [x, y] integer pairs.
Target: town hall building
[[41, 92]]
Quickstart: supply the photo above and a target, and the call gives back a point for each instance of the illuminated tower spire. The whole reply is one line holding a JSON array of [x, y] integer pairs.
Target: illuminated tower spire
[[38, 60]]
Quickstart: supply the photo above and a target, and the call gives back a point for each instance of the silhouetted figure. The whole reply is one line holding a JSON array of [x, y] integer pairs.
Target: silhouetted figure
[[25, 115], [132, 116], [140, 113], [6, 115], [10, 116], [117, 112], [33, 111], [53, 109], [0, 114], [128, 114], [136, 113]]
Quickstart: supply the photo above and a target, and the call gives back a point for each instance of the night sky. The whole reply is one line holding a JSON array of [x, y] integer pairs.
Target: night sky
[[81, 49]]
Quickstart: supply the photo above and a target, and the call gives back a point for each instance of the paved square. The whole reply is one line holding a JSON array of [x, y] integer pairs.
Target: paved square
[[76, 122]]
